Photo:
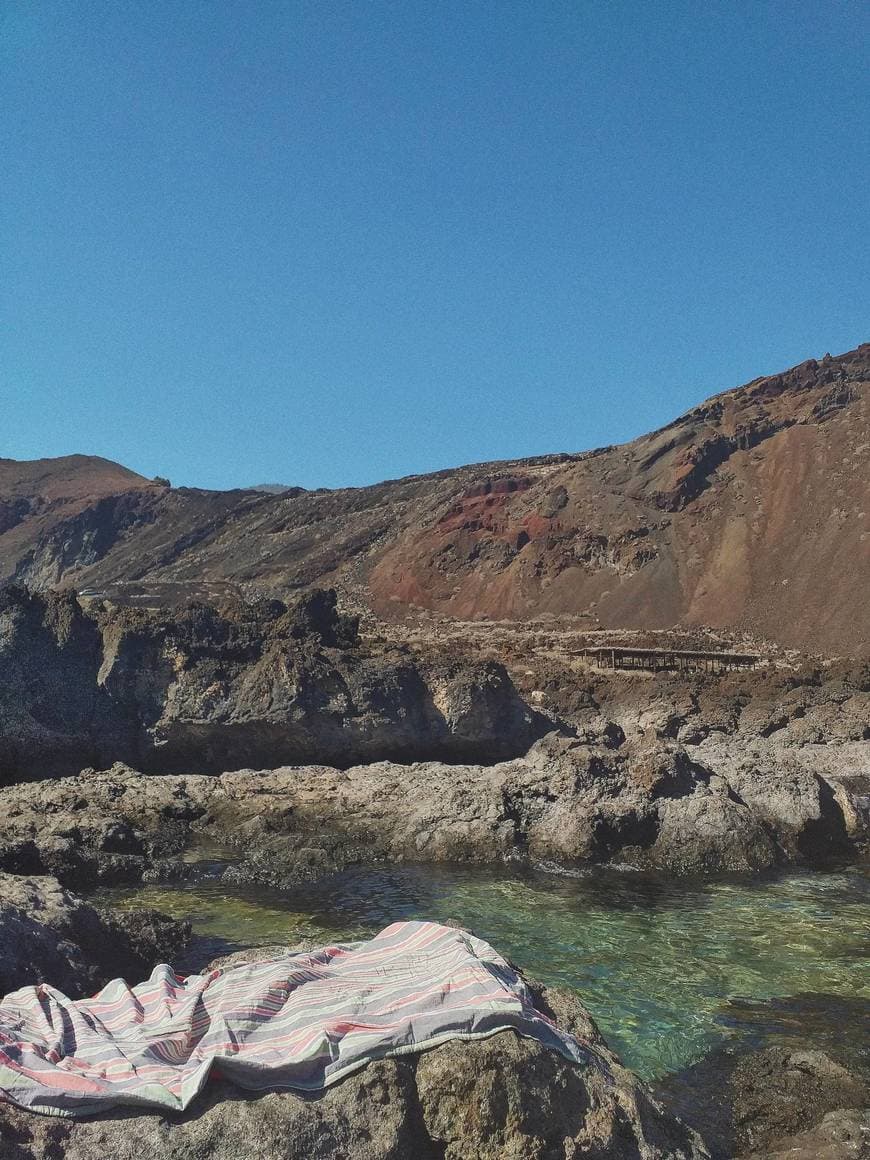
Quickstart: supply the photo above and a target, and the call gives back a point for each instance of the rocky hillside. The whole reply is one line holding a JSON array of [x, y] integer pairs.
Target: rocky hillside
[[750, 513]]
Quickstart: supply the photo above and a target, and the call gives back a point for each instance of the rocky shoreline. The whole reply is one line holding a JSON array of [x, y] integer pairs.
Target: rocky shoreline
[[499, 1097], [282, 734], [568, 802]]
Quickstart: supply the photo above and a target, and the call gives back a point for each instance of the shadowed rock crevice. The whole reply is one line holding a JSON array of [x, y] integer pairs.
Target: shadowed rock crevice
[[50, 935], [826, 835]]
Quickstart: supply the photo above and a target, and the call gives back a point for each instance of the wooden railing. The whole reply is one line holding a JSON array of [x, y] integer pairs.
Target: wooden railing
[[655, 659]]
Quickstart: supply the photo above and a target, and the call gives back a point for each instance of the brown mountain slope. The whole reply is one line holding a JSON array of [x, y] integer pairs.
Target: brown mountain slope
[[38, 495], [750, 512], [69, 478]]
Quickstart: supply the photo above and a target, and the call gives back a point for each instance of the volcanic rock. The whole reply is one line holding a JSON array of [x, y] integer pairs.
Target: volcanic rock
[[503, 1098], [746, 1101], [566, 803], [208, 689], [50, 935]]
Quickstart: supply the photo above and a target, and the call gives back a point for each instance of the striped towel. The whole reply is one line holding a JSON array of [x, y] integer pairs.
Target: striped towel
[[299, 1021]]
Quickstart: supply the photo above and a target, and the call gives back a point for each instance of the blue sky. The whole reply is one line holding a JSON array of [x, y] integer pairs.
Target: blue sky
[[335, 241]]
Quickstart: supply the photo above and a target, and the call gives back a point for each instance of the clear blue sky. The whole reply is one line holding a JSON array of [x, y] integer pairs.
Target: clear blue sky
[[334, 241]]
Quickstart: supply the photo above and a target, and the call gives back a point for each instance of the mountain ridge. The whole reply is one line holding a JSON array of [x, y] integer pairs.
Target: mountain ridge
[[750, 512]]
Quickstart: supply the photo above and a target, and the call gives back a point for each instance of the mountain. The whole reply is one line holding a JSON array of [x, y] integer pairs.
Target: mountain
[[69, 479], [750, 512]]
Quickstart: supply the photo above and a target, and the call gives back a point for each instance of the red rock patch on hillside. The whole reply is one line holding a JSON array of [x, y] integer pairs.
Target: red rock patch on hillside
[[751, 511]]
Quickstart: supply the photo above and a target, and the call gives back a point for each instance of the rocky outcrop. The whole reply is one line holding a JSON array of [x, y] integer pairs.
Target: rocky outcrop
[[688, 775], [841, 1135], [745, 1101], [495, 1099], [791, 744], [210, 689], [568, 802], [50, 935]]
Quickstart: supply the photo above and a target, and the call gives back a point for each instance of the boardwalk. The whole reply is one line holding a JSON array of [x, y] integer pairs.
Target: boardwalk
[[655, 659]]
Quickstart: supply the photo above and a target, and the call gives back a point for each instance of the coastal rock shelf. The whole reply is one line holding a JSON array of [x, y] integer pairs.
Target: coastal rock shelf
[[569, 802]]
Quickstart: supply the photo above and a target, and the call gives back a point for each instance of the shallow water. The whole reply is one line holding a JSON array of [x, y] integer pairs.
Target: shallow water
[[668, 969]]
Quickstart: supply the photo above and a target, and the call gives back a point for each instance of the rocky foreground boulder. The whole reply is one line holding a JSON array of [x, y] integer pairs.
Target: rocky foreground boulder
[[746, 1101], [502, 1098]]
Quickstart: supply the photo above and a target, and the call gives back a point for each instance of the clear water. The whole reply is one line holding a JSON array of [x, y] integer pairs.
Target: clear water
[[668, 969]]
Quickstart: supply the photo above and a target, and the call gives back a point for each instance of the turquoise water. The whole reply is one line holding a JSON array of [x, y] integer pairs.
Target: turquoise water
[[668, 969]]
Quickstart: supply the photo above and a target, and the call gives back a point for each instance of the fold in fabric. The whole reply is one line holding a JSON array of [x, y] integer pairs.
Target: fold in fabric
[[300, 1021]]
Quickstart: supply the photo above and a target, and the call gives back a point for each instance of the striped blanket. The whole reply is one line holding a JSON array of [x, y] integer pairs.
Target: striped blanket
[[299, 1021]]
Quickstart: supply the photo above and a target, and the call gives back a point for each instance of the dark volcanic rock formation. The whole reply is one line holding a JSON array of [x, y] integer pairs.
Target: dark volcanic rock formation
[[203, 689], [749, 512], [840, 1135], [745, 1101]]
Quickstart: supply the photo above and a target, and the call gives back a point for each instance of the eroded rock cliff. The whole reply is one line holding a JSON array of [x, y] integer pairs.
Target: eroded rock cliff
[[208, 689]]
